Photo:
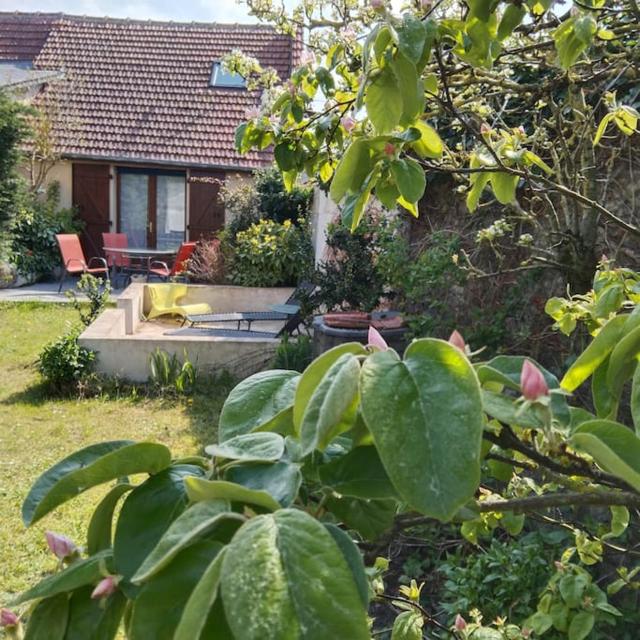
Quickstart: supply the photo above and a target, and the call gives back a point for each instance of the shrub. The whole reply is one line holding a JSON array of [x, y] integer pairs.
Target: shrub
[[350, 278], [275, 202], [63, 363], [295, 355], [270, 254], [506, 579], [206, 264], [34, 250], [97, 292]]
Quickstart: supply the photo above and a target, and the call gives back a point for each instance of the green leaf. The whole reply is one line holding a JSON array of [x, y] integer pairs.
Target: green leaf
[[539, 622], [284, 154], [410, 179], [76, 575], [595, 354], [94, 619], [48, 621], [100, 525], [370, 518], [602, 127], [313, 375], [430, 403], [200, 602], [504, 409], [504, 186], [412, 36], [384, 101], [605, 404], [146, 514], [585, 28], [411, 89], [619, 521], [613, 446], [159, 606], [284, 577], [249, 447], [581, 625], [623, 361], [408, 626], [511, 18], [478, 183], [359, 474], [354, 166], [635, 400], [199, 490], [88, 468], [261, 402], [191, 525], [281, 480], [572, 588], [332, 405], [429, 145], [353, 558]]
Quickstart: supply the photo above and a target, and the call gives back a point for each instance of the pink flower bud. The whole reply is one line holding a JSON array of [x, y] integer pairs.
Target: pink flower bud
[[105, 588], [61, 546], [348, 123], [485, 129], [460, 624], [526, 632], [532, 382], [8, 618], [389, 149], [426, 5], [457, 340], [377, 5], [522, 130], [251, 113], [376, 340], [307, 57]]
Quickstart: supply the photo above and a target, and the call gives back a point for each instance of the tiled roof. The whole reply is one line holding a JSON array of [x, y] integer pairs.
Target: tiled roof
[[22, 35], [139, 91]]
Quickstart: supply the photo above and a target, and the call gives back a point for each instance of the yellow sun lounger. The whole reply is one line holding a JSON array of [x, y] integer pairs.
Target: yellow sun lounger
[[165, 300]]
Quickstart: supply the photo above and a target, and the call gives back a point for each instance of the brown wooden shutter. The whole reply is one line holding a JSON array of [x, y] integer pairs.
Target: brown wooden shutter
[[90, 193], [206, 210]]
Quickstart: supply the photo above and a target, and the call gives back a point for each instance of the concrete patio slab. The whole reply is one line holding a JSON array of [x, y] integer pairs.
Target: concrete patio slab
[[45, 292]]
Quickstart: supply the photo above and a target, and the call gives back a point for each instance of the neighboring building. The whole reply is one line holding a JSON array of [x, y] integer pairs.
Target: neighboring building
[[143, 116]]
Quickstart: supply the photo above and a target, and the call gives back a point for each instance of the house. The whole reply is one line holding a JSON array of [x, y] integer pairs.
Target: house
[[142, 116]]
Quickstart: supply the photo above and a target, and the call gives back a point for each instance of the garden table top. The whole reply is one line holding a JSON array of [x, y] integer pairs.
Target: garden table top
[[141, 252]]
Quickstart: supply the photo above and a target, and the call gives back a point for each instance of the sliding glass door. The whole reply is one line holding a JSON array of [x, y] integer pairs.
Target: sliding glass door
[[152, 207]]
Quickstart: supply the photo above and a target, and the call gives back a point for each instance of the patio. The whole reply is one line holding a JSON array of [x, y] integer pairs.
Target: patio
[[124, 340]]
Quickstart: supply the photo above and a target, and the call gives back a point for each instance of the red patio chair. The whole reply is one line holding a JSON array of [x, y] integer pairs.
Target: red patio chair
[[73, 259], [162, 271]]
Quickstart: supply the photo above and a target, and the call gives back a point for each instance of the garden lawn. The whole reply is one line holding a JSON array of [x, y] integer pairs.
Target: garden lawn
[[36, 431]]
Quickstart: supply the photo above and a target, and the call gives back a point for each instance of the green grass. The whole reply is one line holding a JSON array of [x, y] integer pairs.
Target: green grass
[[36, 431]]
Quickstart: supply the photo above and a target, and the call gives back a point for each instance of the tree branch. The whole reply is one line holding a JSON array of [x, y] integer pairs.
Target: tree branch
[[553, 500]]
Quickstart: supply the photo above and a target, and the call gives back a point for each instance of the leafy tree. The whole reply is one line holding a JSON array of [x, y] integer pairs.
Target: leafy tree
[[519, 103], [13, 131]]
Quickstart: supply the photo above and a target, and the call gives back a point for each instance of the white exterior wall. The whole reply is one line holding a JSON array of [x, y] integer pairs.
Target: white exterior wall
[[323, 211]]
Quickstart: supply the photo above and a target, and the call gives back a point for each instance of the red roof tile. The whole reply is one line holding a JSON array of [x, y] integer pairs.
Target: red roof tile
[[139, 91]]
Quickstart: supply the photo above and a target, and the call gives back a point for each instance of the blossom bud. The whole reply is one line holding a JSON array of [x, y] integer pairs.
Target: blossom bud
[[8, 618], [307, 57], [252, 113], [348, 123], [105, 588], [457, 340], [426, 5], [389, 149], [377, 5], [61, 546], [460, 624], [376, 340], [485, 129], [526, 632], [532, 382]]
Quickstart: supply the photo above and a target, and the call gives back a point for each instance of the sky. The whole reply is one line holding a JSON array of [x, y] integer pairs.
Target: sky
[[184, 11]]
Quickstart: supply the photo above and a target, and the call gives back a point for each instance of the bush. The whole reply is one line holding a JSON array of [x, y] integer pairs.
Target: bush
[[295, 355], [351, 279], [63, 363], [275, 202], [206, 265], [34, 250], [167, 372], [506, 580], [270, 254]]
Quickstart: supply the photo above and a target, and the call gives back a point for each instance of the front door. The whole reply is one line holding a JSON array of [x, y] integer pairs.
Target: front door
[[90, 194], [152, 207]]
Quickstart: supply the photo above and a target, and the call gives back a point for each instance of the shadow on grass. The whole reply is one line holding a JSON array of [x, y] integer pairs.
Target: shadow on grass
[[35, 395]]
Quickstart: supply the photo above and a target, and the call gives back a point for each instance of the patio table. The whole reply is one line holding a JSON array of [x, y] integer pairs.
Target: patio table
[[141, 253]]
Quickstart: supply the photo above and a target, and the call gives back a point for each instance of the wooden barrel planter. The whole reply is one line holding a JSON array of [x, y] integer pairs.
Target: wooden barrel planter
[[334, 329]]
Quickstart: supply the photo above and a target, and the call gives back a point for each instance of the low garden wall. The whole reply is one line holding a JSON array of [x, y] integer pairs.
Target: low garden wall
[[124, 340]]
